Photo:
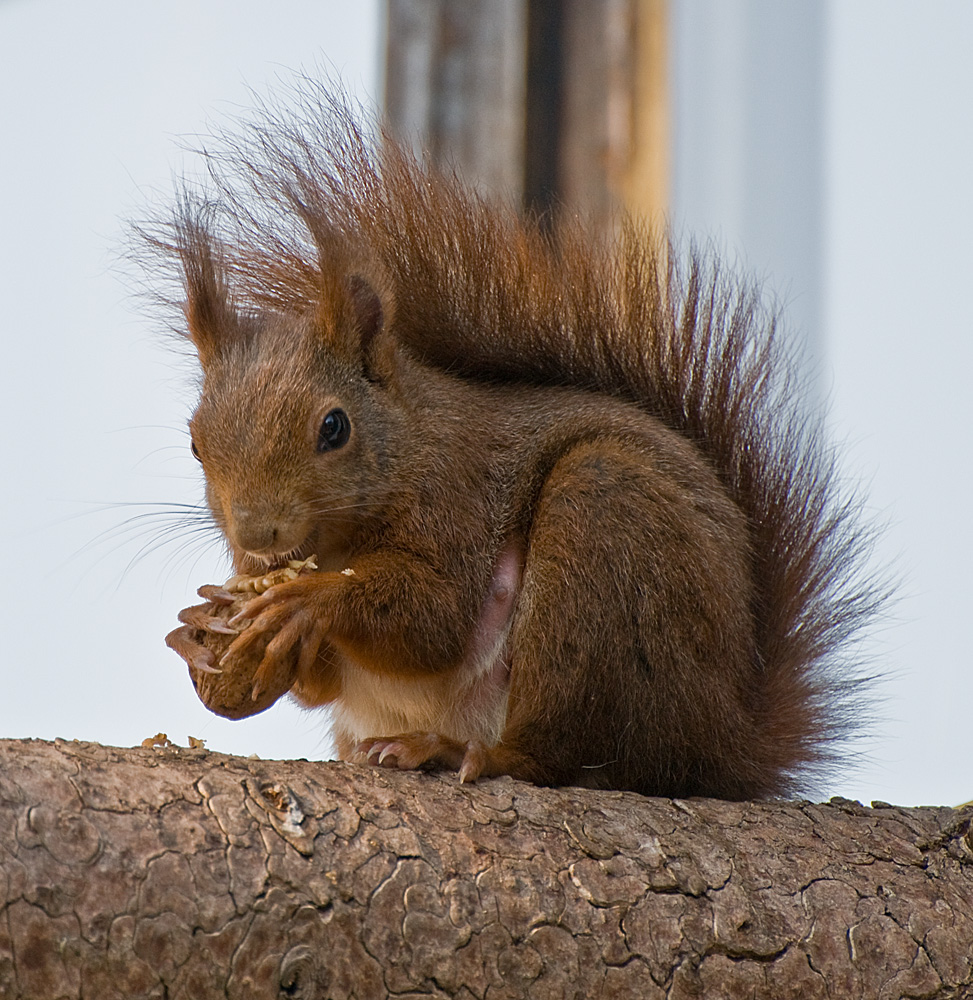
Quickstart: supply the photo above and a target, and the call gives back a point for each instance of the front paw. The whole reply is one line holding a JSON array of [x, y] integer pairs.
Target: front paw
[[249, 684], [281, 635], [409, 751]]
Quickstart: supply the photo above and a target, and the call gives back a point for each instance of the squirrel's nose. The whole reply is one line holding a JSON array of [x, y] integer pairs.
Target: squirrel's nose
[[261, 532]]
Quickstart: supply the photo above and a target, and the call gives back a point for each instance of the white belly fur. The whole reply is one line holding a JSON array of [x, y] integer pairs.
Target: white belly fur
[[468, 703]]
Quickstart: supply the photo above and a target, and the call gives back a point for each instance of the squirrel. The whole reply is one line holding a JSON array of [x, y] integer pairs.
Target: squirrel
[[570, 524]]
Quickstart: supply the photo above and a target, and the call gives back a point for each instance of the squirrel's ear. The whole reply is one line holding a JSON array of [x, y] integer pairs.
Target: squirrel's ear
[[367, 310]]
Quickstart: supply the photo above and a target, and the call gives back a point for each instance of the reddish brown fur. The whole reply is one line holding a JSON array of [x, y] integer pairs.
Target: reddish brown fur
[[558, 444]]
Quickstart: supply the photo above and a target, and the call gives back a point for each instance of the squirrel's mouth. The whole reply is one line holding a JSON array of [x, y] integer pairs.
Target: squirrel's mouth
[[261, 562]]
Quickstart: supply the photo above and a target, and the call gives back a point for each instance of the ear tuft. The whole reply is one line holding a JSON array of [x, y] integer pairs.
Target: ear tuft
[[210, 316]]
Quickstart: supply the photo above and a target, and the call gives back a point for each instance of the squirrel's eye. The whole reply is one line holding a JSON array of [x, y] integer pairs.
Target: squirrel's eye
[[195, 451], [335, 431]]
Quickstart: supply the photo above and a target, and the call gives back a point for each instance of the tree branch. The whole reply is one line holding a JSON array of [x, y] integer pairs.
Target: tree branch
[[183, 873]]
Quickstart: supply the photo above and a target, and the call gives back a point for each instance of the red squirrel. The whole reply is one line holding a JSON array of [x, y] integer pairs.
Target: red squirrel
[[569, 523]]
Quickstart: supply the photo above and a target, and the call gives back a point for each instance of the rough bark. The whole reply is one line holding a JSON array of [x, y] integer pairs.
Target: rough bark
[[187, 874]]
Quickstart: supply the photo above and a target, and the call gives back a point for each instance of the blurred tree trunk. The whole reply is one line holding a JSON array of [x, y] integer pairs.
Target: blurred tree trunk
[[187, 874], [547, 103]]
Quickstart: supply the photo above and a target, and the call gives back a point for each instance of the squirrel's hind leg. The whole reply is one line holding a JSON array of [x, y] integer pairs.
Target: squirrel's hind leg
[[631, 652]]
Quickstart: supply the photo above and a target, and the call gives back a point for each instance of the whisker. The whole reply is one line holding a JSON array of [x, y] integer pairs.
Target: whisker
[[166, 524], [333, 509], [171, 428], [197, 537], [139, 524], [102, 507], [147, 550]]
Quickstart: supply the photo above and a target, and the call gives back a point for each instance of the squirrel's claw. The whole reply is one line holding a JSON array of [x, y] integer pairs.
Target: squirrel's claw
[[409, 751], [215, 594], [199, 617], [272, 619], [256, 610], [293, 633], [181, 641]]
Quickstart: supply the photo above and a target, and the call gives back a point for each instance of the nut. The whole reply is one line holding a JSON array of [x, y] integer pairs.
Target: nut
[[232, 692]]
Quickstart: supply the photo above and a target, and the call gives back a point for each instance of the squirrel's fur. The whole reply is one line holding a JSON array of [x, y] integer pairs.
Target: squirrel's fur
[[579, 499]]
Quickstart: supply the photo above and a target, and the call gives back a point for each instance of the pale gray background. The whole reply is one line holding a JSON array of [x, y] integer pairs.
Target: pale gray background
[[825, 145]]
